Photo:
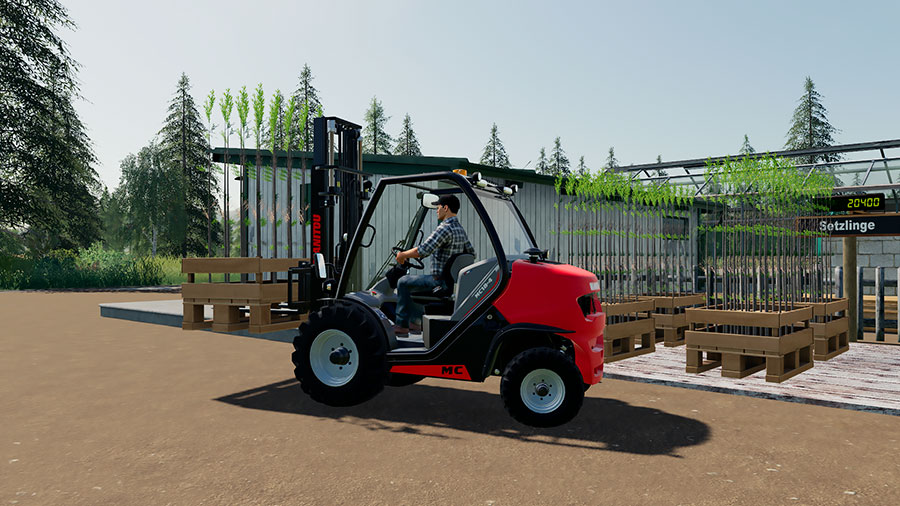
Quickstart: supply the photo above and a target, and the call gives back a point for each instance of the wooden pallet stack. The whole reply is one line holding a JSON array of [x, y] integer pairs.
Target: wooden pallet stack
[[629, 330], [745, 342], [830, 328], [669, 315], [252, 306]]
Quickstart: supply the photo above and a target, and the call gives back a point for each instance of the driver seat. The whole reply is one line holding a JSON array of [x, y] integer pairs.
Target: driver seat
[[439, 300]]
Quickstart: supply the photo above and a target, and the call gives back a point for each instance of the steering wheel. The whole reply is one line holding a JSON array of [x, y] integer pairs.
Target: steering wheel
[[415, 263]]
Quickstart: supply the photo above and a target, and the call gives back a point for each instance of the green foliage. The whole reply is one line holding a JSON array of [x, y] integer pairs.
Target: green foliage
[[746, 148], [259, 112], [542, 165], [810, 127], [47, 180], [558, 162], [308, 102], [407, 143], [494, 154], [376, 140], [243, 108], [288, 141], [183, 155], [94, 267], [611, 161], [275, 112]]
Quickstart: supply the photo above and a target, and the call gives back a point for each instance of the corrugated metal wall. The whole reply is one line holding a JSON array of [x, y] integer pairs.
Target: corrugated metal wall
[[537, 203]]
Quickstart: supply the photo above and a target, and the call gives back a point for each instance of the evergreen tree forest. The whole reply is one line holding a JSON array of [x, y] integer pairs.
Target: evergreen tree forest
[[50, 189]]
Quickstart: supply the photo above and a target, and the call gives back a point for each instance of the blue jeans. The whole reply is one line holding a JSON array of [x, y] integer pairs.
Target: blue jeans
[[407, 310]]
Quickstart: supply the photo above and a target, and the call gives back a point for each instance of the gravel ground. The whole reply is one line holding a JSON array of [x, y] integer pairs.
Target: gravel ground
[[101, 411]]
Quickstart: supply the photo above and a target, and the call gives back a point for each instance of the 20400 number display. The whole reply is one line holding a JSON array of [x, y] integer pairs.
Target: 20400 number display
[[868, 202]]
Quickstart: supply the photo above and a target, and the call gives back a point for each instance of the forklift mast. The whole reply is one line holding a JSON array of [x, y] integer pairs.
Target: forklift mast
[[338, 187]]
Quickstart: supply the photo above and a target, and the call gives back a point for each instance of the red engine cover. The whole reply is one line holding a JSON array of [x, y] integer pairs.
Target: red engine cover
[[547, 294]]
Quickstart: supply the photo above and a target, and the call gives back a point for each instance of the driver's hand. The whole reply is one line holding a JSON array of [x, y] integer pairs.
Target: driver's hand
[[400, 258]]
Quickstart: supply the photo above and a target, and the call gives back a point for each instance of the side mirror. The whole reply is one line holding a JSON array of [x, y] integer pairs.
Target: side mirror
[[430, 200], [320, 265]]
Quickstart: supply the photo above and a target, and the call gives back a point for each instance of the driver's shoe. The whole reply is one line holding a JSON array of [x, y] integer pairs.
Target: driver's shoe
[[415, 328], [401, 331]]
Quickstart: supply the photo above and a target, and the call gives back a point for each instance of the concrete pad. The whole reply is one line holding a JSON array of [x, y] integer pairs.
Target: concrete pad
[[864, 378], [171, 313]]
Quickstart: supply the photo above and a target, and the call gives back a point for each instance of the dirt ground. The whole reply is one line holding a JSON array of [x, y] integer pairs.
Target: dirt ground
[[100, 411]]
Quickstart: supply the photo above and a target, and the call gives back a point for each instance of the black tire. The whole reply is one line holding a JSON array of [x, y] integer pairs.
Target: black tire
[[402, 380], [529, 363], [328, 382]]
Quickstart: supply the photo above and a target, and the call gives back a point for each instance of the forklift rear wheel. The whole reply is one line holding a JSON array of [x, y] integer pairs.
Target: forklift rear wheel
[[339, 355], [542, 387]]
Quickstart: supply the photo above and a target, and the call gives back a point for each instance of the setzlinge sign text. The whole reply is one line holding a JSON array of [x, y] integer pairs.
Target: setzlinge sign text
[[856, 225]]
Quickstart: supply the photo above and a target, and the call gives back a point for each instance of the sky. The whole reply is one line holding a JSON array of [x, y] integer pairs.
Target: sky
[[681, 79]]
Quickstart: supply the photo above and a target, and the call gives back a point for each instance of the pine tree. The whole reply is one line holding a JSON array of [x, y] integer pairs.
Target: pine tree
[[611, 162], [376, 140], [582, 168], [183, 146], [47, 181], [559, 164], [660, 172], [306, 94], [494, 153], [542, 165], [746, 148], [407, 143], [810, 128]]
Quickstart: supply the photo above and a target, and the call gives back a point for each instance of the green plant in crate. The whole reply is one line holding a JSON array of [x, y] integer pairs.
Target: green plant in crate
[[288, 141], [243, 109], [259, 111], [208, 109], [275, 109]]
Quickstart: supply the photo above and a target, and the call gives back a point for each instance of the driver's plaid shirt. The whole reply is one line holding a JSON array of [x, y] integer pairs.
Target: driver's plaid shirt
[[447, 239]]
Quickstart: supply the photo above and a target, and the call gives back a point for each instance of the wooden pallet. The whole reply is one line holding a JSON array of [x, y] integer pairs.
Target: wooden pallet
[[632, 334], [668, 313], [784, 353], [830, 328], [252, 306]]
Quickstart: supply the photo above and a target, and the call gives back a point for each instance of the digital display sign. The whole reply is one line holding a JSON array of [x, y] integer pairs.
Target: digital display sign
[[845, 203]]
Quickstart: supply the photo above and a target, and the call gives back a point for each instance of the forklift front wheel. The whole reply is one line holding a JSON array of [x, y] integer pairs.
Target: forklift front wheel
[[339, 355], [542, 387]]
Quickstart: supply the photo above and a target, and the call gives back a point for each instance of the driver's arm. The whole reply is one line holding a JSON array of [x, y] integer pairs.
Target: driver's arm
[[405, 255], [434, 241]]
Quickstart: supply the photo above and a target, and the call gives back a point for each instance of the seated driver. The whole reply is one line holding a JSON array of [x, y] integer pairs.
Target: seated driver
[[448, 239]]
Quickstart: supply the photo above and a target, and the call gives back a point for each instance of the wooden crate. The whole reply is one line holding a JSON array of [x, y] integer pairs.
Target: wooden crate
[[786, 351], [632, 333], [671, 321], [252, 306], [830, 328]]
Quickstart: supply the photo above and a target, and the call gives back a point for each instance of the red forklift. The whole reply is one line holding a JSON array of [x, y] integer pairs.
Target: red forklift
[[506, 310]]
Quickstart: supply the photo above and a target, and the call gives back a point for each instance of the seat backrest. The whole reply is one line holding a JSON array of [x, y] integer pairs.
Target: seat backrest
[[455, 263]]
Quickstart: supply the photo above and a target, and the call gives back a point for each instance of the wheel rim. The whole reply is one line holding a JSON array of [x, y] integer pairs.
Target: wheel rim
[[333, 357], [542, 391]]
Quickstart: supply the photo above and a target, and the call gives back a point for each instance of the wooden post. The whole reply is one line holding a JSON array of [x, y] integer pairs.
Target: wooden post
[[850, 285], [860, 304], [879, 303]]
